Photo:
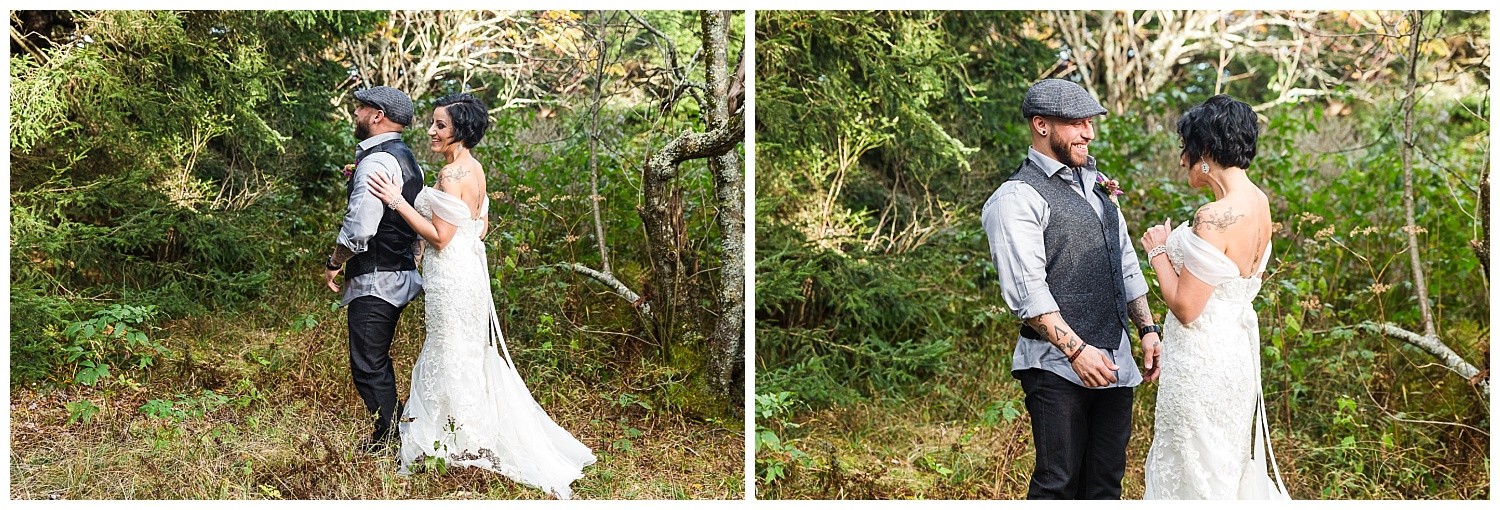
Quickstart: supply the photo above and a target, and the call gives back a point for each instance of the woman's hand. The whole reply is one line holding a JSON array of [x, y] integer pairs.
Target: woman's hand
[[1156, 236], [384, 188]]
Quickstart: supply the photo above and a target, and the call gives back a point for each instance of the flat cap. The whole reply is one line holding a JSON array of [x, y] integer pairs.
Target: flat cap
[[1059, 98], [396, 105]]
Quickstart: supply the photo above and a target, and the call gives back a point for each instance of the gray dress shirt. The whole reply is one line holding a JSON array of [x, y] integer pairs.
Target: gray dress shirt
[[396, 287], [1014, 218]]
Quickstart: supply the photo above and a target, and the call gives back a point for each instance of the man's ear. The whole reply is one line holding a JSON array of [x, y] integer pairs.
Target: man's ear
[[1040, 125]]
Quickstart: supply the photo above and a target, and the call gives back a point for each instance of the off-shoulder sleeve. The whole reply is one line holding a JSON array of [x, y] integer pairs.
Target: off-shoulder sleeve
[[1206, 262], [448, 207]]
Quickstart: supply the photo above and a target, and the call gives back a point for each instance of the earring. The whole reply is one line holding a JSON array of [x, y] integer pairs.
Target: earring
[[1044, 133], [1204, 167]]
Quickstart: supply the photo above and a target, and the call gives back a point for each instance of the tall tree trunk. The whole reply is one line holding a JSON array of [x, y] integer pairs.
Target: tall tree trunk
[[1482, 244], [726, 341], [1428, 340], [1408, 197], [594, 196]]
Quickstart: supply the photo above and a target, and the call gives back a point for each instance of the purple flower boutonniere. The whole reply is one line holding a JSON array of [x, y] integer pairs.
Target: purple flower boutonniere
[[1112, 187], [347, 171]]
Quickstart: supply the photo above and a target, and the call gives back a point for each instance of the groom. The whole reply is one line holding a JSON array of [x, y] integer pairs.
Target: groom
[[377, 245], [1068, 269]]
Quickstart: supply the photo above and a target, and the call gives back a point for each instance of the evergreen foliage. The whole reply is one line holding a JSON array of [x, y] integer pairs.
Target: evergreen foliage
[[177, 159], [883, 344]]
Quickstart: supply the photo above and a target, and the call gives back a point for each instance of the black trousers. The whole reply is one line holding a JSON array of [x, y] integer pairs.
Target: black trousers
[[372, 325], [1080, 436]]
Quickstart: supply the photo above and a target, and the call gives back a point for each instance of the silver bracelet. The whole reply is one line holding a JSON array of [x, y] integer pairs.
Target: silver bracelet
[[1158, 250], [394, 204]]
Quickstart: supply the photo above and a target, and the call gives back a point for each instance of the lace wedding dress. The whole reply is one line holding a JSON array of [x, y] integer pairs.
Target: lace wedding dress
[[467, 404], [1210, 386]]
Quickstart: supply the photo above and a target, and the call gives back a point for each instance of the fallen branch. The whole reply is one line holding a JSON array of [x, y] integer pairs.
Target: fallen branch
[[1451, 360], [614, 284]]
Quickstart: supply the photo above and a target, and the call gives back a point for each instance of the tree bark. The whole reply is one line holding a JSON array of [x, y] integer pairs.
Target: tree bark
[[726, 341], [1482, 244]]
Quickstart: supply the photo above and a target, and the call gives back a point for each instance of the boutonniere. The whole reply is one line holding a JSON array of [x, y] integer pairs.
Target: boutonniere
[[347, 171], [1110, 186]]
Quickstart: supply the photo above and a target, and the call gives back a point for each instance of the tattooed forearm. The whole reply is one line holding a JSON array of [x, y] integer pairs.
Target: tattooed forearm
[[1039, 322], [341, 254], [1140, 313], [1051, 326], [1217, 219], [1064, 339]]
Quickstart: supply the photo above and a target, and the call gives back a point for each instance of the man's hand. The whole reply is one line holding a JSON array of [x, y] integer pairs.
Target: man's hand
[[1151, 356], [328, 276], [1094, 368]]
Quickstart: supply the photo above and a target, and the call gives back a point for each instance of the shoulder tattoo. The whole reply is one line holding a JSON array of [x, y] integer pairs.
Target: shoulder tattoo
[[453, 173], [1218, 219]]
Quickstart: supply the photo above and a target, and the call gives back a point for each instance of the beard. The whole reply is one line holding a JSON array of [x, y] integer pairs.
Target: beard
[[361, 129], [1064, 152]]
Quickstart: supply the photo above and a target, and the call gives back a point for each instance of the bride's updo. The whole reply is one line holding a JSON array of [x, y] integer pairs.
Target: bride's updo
[[1221, 128], [470, 117]]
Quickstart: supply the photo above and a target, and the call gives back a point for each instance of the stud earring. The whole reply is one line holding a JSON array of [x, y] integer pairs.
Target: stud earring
[[1044, 133], [1204, 167]]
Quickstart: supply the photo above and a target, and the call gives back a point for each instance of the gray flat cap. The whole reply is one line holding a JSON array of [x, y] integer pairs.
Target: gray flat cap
[[393, 102], [1059, 98]]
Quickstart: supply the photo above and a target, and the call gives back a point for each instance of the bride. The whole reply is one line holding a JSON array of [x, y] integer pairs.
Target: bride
[[1210, 403], [467, 405]]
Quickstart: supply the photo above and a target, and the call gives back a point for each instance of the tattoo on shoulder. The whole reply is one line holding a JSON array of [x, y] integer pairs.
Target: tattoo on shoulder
[[453, 173], [1218, 219]]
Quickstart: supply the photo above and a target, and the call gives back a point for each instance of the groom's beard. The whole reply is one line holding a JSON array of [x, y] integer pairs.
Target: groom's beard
[[1064, 152], [361, 130]]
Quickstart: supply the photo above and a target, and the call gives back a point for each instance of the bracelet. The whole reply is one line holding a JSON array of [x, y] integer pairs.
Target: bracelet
[[1150, 328], [1077, 353], [394, 204], [1158, 250], [330, 265]]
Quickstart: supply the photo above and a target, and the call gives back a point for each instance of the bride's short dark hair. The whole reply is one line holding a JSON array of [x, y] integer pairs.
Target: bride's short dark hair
[[1222, 128], [470, 117]]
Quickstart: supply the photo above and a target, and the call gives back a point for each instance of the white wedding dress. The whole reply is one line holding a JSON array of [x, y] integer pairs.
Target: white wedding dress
[[467, 404], [1210, 387]]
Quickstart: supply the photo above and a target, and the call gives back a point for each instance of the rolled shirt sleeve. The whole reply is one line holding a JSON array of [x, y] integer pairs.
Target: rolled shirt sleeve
[[364, 213], [1014, 218]]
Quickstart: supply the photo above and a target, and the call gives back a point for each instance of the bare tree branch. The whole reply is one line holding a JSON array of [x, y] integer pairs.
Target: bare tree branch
[[614, 284], [1434, 346]]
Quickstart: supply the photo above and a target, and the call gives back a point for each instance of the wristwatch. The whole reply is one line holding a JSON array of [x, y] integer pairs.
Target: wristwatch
[[1149, 329], [330, 265]]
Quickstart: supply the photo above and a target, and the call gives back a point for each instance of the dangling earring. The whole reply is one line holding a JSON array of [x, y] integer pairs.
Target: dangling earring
[[1204, 167]]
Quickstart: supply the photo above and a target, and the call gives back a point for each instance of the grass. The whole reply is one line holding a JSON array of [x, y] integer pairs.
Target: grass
[[966, 436], [261, 406]]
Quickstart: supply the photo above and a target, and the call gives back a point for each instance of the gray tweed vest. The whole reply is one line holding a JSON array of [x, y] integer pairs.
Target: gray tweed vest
[[1083, 258]]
